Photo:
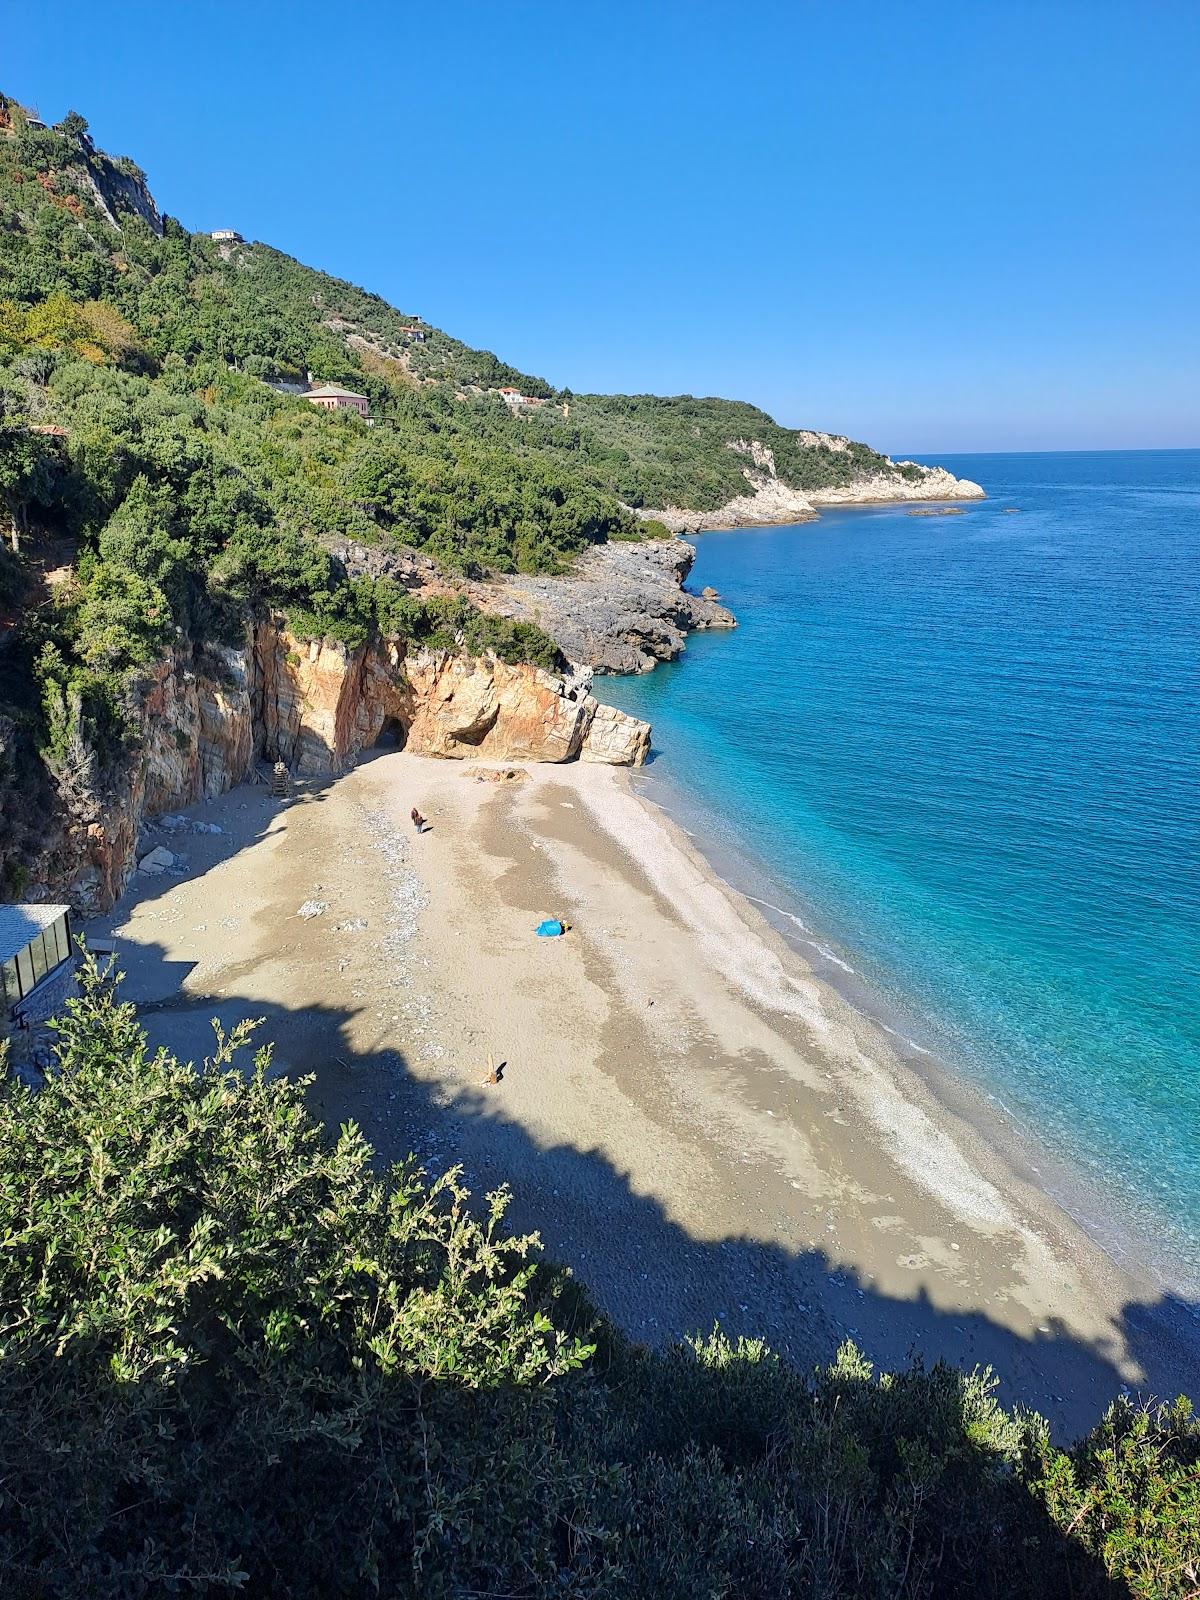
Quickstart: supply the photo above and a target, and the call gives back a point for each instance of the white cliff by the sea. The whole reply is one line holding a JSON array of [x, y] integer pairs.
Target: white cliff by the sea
[[770, 500]]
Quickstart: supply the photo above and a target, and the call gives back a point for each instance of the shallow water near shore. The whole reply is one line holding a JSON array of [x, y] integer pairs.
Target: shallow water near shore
[[962, 752]]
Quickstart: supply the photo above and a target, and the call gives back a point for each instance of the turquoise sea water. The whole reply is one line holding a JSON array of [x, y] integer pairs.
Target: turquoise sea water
[[966, 752]]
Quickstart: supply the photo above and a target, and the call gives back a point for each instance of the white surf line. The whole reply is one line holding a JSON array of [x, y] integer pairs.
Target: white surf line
[[813, 944], [926, 1152]]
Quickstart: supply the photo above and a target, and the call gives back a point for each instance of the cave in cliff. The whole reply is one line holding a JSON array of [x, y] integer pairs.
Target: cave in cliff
[[392, 735]]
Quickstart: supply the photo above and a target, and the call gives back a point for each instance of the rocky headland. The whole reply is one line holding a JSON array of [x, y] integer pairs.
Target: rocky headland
[[622, 608], [769, 499]]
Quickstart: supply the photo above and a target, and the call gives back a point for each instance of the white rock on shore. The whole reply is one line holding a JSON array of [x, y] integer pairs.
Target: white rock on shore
[[770, 500], [936, 484]]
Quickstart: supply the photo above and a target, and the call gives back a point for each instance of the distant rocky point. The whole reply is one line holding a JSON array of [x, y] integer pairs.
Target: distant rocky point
[[769, 500]]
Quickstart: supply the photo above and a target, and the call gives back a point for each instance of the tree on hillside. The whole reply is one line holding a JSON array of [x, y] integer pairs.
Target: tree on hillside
[[31, 469], [73, 125]]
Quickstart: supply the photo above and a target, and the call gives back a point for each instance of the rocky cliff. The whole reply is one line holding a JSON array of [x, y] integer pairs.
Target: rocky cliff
[[205, 716], [317, 706], [622, 607], [768, 499], [196, 741], [119, 188]]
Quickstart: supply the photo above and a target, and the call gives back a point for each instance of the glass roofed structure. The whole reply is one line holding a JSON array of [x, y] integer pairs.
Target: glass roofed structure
[[35, 943]]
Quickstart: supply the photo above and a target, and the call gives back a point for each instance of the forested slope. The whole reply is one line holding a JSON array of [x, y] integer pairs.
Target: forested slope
[[159, 481], [232, 1358]]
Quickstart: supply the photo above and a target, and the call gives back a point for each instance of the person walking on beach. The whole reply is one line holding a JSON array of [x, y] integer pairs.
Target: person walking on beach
[[418, 821]]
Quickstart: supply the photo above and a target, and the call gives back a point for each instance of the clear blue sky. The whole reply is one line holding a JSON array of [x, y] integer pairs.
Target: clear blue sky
[[933, 226]]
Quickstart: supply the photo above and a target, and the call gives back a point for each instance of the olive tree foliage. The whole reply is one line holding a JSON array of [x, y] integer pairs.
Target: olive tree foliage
[[207, 1310]]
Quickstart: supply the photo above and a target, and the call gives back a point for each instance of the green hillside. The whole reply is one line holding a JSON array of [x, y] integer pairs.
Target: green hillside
[[156, 456], [145, 418], [139, 433], [654, 450]]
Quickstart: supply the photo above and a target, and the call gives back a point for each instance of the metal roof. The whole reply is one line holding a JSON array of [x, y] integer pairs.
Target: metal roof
[[330, 391], [20, 924]]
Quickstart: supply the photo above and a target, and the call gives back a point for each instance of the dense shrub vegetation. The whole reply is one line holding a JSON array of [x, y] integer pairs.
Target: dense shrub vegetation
[[144, 418], [135, 426], [232, 1357], [655, 450]]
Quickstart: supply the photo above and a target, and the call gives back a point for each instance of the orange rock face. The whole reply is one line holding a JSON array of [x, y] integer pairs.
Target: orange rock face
[[197, 740], [316, 706]]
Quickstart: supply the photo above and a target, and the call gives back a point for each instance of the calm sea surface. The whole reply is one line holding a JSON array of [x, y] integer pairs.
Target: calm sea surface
[[965, 752]]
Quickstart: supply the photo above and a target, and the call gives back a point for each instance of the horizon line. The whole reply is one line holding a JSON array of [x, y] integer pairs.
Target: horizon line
[[1088, 450]]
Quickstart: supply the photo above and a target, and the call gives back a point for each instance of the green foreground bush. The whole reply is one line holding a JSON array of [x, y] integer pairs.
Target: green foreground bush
[[234, 1358]]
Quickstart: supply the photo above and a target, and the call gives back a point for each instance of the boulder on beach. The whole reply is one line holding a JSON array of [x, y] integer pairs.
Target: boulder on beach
[[158, 860]]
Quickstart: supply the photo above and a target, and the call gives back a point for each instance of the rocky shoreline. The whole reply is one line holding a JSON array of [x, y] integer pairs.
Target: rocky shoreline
[[770, 501], [622, 608]]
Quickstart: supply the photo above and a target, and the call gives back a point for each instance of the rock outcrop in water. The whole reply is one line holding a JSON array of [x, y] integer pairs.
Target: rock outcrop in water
[[204, 716], [621, 608]]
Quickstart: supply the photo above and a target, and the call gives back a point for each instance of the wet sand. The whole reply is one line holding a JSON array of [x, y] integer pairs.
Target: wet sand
[[694, 1122]]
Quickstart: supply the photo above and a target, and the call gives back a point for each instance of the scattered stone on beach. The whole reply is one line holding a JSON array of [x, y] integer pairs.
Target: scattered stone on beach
[[355, 925], [501, 775], [178, 824], [407, 895], [313, 908]]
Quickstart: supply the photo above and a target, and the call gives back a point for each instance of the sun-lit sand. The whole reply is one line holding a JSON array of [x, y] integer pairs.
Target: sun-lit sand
[[695, 1123]]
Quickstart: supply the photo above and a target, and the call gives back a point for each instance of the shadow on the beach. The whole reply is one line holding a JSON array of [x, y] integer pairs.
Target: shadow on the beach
[[648, 1272], [654, 1278], [659, 1283], [283, 1494]]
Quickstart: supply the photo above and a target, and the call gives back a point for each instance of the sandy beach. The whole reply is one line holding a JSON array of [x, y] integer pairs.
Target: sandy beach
[[694, 1122]]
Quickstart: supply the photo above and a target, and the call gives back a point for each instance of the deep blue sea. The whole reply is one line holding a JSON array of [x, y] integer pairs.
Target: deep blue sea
[[965, 752]]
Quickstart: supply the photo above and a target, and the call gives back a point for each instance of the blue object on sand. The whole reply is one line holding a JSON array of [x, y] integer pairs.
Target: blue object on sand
[[550, 929]]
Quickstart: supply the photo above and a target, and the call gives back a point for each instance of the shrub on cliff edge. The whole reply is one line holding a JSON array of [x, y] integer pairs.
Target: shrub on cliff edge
[[234, 1358]]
